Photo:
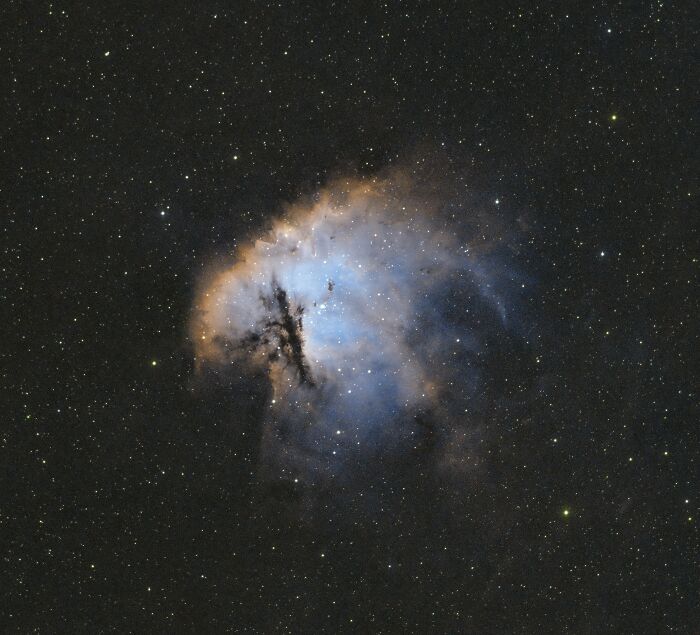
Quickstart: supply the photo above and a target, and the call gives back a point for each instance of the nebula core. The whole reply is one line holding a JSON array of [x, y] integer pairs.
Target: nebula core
[[370, 312]]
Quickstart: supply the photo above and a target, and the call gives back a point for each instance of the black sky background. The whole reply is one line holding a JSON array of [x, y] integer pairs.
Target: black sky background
[[141, 144]]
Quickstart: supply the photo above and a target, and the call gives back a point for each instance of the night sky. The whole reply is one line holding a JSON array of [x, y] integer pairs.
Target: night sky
[[489, 209]]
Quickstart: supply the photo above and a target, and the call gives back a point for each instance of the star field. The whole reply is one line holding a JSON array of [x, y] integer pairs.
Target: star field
[[486, 423]]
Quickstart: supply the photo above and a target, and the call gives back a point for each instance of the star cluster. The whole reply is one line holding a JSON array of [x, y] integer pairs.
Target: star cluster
[[369, 313]]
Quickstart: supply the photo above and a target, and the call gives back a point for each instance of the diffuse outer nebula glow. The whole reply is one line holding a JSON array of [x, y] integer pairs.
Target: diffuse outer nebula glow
[[366, 311]]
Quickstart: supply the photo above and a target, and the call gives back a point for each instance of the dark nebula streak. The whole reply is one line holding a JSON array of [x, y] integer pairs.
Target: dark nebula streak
[[291, 339]]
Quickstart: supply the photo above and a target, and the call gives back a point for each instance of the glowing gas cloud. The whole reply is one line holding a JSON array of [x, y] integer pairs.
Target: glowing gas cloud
[[367, 311]]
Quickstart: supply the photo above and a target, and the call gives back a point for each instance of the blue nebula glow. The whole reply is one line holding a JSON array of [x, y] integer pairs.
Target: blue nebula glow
[[388, 305]]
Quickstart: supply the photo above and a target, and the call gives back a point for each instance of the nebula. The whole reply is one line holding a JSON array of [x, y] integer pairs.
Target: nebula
[[370, 312]]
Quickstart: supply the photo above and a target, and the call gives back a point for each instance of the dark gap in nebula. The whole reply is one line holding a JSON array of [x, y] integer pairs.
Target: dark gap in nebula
[[283, 335], [291, 341]]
